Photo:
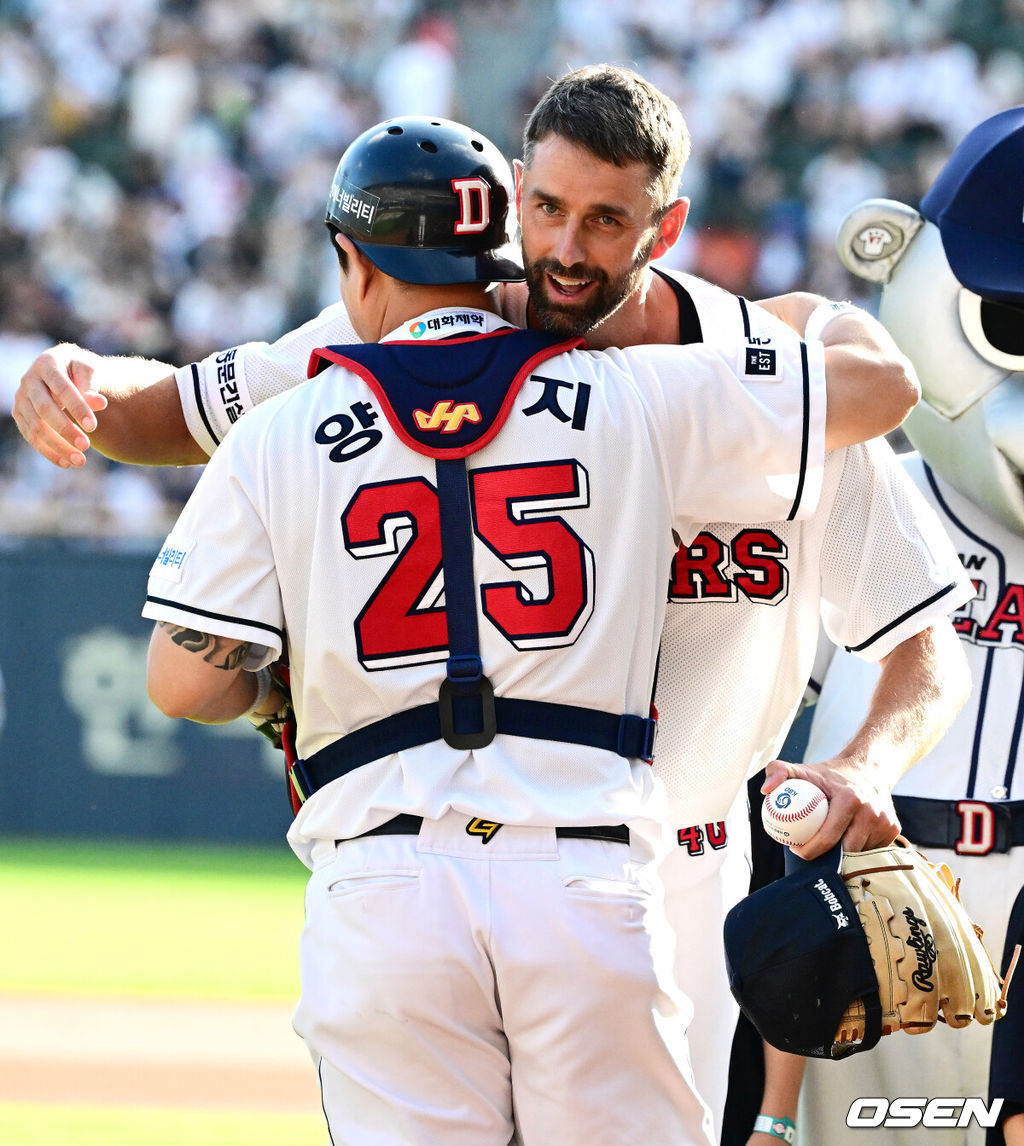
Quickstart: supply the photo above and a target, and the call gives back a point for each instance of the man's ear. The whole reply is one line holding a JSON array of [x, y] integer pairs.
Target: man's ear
[[517, 170], [359, 271], [671, 227]]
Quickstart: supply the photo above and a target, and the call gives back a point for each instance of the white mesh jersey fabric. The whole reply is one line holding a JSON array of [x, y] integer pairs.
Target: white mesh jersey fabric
[[746, 605], [666, 429], [880, 520]]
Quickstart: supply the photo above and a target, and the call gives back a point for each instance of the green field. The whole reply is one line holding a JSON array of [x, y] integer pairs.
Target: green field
[[120, 921], [135, 919]]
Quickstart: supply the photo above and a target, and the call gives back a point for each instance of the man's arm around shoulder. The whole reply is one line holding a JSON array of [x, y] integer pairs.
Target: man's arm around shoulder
[[872, 385], [128, 409]]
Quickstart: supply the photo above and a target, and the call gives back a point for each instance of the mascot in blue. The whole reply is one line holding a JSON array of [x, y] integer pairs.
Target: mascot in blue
[[952, 295]]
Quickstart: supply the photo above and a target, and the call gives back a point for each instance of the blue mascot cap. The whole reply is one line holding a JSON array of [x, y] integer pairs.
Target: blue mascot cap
[[977, 202]]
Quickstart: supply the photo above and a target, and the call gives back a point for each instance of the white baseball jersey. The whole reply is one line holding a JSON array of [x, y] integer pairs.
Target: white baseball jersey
[[318, 528], [765, 588], [973, 773], [746, 604], [601, 457]]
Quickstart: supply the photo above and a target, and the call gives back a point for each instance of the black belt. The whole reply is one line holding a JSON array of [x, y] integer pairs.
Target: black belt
[[969, 823], [408, 825]]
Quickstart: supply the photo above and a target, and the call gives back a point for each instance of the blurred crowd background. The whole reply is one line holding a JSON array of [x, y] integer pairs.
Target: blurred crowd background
[[164, 163]]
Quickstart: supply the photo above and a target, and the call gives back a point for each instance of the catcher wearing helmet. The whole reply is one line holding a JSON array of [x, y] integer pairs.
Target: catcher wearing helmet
[[439, 550]]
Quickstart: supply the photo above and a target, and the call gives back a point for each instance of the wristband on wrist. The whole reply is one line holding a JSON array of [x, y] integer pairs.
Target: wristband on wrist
[[264, 683], [783, 1128], [822, 315]]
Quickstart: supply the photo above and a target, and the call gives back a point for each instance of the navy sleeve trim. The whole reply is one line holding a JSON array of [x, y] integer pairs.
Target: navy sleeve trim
[[899, 620], [216, 616], [200, 406], [690, 330], [746, 316], [805, 435]]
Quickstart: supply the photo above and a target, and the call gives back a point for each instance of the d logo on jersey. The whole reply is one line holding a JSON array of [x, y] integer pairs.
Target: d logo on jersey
[[978, 824]]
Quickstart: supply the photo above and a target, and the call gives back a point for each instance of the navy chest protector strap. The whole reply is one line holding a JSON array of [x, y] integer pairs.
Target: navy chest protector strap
[[481, 374]]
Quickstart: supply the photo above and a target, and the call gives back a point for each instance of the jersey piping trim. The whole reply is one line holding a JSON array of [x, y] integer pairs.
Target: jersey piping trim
[[746, 316], [805, 432], [199, 404], [690, 329], [983, 691], [440, 451], [215, 616], [903, 617]]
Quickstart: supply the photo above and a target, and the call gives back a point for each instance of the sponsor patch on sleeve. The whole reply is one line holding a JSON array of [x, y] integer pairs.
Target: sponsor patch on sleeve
[[170, 561], [760, 362]]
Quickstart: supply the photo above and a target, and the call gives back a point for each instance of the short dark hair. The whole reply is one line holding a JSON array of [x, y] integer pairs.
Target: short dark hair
[[618, 116]]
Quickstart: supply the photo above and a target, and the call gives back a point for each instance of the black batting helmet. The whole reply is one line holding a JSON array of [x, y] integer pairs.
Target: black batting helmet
[[428, 201]]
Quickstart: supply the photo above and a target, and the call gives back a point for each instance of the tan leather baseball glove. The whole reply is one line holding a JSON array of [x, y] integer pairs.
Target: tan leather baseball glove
[[929, 957]]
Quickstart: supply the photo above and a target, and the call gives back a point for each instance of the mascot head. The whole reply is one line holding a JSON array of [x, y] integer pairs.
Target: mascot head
[[952, 278]]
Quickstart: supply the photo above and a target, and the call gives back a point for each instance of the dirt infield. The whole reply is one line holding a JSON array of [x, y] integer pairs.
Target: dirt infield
[[145, 1052]]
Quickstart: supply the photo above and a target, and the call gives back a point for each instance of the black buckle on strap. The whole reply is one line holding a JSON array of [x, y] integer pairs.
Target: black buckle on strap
[[636, 737], [470, 706]]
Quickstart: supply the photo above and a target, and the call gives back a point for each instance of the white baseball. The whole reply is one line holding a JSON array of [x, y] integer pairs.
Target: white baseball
[[794, 811]]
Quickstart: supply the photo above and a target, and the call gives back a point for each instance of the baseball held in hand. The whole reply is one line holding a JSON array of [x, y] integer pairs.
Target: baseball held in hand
[[794, 811]]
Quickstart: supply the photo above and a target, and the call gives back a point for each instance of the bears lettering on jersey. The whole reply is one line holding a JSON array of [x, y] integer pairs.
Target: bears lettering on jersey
[[753, 564]]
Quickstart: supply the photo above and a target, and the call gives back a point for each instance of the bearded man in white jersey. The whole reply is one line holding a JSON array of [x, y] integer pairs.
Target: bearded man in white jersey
[[602, 158]]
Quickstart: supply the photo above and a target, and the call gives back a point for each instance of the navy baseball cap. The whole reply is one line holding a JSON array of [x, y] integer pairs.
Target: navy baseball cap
[[797, 957], [977, 202]]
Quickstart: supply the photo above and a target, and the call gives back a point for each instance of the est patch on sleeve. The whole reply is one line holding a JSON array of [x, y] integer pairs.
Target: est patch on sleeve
[[760, 362], [170, 561]]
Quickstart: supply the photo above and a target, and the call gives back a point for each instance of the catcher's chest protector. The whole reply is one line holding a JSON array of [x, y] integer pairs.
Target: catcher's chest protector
[[447, 399]]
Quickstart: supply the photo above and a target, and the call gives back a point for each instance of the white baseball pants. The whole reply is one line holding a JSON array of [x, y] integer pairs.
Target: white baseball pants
[[462, 993]]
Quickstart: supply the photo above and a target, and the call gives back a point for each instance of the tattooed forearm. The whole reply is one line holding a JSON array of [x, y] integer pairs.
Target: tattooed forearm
[[221, 652]]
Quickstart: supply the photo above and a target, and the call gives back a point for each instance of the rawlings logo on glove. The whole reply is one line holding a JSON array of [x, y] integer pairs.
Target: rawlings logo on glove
[[929, 957]]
